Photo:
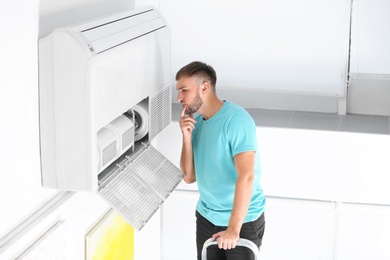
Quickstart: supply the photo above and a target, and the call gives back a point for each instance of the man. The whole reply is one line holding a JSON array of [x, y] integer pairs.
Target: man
[[219, 152]]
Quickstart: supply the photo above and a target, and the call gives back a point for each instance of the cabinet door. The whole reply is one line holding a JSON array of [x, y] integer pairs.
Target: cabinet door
[[364, 232], [298, 230], [178, 226]]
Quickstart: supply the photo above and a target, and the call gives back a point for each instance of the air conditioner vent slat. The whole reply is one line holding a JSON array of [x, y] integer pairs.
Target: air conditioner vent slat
[[122, 19], [104, 30], [120, 31]]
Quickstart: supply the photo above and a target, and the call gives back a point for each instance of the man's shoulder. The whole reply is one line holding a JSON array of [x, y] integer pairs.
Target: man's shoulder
[[236, 111], [235, 107]]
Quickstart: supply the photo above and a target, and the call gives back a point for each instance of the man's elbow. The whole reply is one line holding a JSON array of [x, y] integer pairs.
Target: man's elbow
[[248, 177], [188, 179]]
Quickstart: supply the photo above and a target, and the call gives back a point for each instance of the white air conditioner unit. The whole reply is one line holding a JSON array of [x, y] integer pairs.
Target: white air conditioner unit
[[105, 93]]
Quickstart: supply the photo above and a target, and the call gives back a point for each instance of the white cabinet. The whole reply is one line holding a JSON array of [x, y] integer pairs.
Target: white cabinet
[[364, 232], [298, 230]]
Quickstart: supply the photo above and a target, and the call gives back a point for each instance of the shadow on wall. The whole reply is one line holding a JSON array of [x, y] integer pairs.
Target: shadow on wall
[[54, 14]]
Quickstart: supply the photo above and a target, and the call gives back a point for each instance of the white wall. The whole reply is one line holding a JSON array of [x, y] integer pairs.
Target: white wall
[[21, 194], [370, 46], [369, 91], [296, 46], [288, 55], [20, 188]]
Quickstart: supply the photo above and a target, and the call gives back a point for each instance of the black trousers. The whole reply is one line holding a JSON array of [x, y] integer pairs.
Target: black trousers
[[253, 231]]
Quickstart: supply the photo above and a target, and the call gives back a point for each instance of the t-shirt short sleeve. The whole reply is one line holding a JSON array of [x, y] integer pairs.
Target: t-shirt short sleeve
[[242, 133]]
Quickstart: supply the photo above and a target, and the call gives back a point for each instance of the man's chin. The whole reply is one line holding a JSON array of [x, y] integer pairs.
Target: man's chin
[[190, 111]]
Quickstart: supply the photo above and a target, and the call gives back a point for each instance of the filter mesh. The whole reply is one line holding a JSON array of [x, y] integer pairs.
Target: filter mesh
[[158, 172], [141, 186]]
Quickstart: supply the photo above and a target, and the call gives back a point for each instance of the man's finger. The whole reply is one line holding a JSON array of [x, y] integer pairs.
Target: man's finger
[[183, 112], [215, 236]]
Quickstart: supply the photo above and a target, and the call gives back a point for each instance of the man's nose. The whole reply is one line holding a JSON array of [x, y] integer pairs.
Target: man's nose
[[179, 97]]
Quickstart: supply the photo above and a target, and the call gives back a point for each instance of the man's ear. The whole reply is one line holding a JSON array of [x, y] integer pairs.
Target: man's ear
[[205, 87]]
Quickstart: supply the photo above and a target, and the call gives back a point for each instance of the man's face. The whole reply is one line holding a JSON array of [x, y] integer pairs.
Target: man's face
[[188, 94]]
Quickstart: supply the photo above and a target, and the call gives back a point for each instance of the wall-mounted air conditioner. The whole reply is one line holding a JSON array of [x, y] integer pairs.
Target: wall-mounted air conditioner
[[104, 92]]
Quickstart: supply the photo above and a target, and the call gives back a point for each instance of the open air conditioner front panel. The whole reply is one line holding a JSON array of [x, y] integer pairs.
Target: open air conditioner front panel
[[139, 186]]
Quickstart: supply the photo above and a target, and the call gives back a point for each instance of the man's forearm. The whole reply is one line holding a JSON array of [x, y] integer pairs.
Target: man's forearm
[[242, 199], [245, 169], [187, 161]]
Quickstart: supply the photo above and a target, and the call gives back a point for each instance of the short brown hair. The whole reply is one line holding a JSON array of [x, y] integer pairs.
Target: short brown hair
[[200, 70]]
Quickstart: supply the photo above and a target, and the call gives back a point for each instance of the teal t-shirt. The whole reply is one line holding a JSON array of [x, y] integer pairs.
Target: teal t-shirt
[[215, 143]]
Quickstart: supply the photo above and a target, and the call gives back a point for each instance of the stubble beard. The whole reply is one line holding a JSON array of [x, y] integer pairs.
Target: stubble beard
[[194, 107]]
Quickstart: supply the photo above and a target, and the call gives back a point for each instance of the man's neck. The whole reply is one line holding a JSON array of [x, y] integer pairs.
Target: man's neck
[[212, 107]]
